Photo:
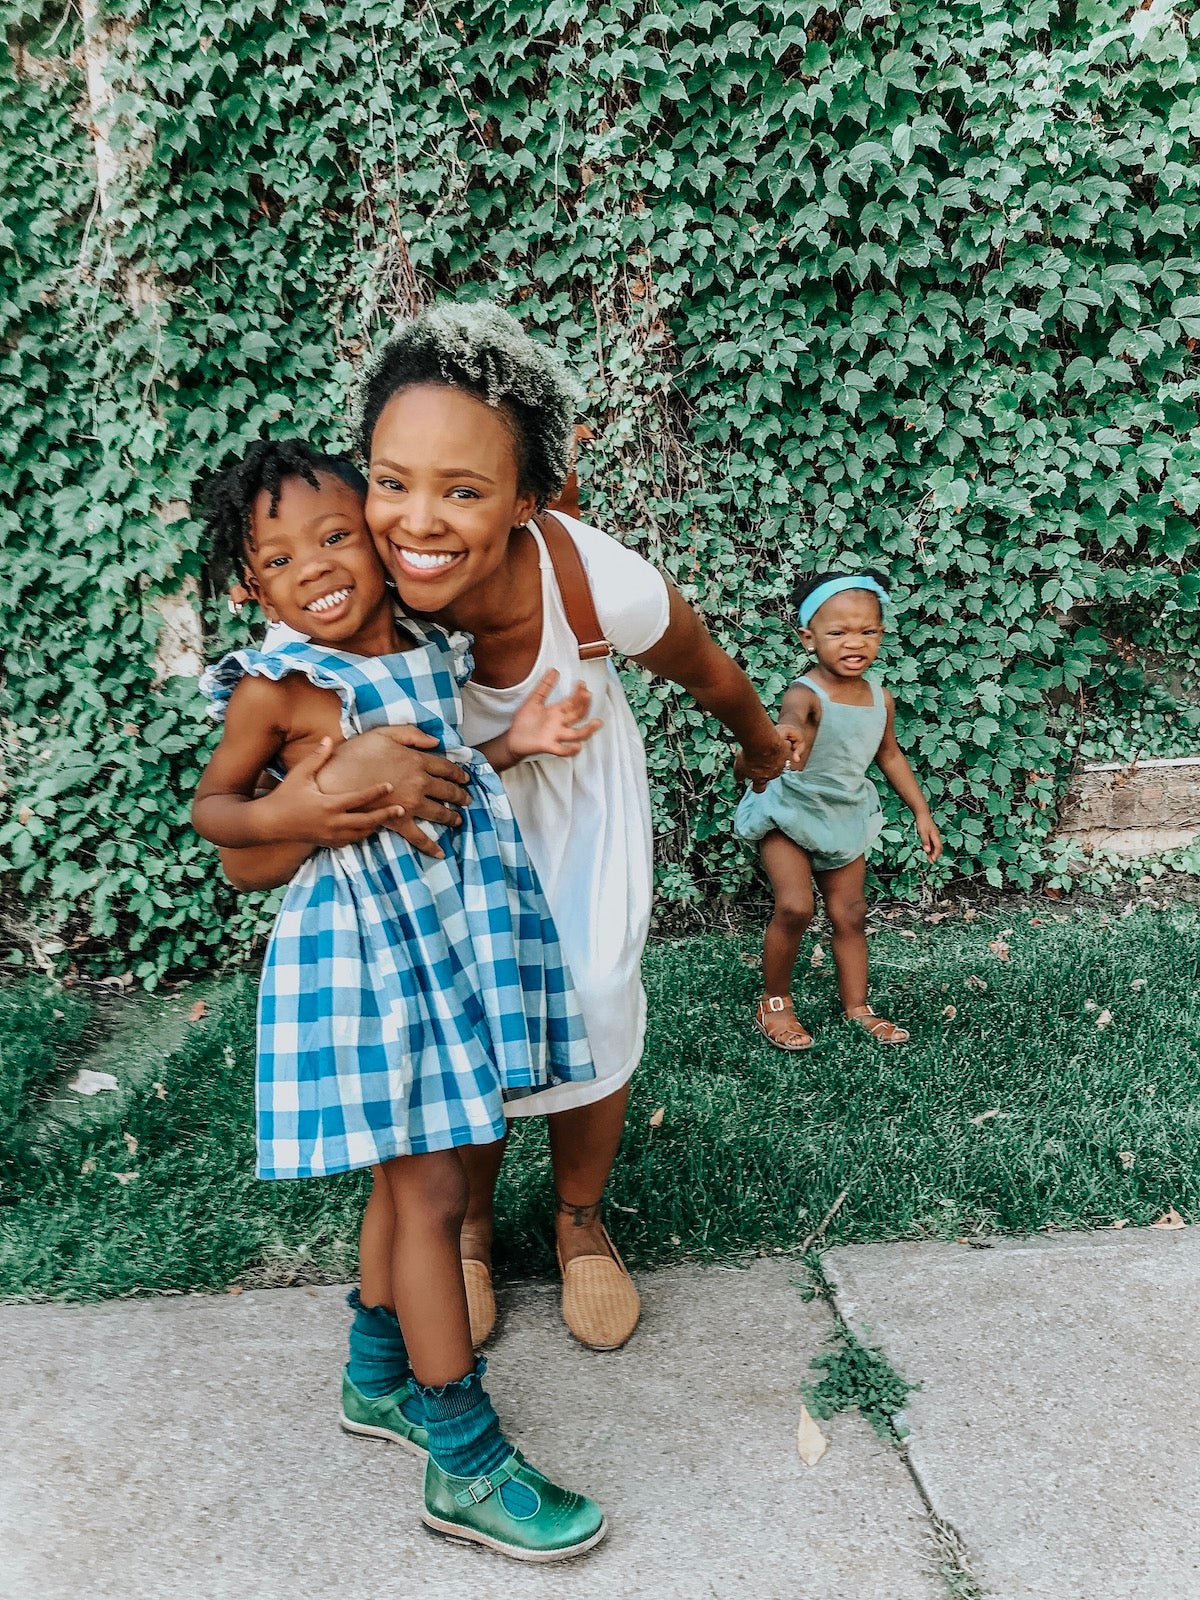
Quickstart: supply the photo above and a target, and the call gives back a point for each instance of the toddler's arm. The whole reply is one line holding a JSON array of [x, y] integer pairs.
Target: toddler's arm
[[799, 719], [892, 762], [263, 719], [540, 729], [689, 654]]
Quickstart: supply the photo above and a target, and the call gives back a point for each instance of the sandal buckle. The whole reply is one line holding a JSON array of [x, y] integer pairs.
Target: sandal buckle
[[775, 1002]]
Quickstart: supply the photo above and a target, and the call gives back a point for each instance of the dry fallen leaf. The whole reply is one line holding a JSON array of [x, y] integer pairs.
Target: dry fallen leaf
[[197, 1011], [1121, 1222], [906, 933], [235, 1288], [975, 983], [124, 1177], [810, 1441], [817, 959], [1138, 983], [656, 1117], [86, 1081], [969, 916], [1126, 1158], [999, 948], [160, 1090], [89, 1166], [1035, 922], [130, 1143], [1169, 1219], [1090, 1005], [949, 1012], [985, 1116], [937, 916], [1103, 1020]]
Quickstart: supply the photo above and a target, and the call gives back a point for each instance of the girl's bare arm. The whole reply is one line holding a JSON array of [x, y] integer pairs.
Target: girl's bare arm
[[266, 720], [688, 654], [893, 763]]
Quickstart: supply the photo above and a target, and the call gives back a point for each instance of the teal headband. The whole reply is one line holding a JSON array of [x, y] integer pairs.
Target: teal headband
[[813, 602]]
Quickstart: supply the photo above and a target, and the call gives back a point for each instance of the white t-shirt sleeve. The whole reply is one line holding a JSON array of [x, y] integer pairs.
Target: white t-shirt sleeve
[[632, 600]]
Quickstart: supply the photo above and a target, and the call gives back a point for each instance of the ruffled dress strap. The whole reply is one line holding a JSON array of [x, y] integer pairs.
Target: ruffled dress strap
[[220, 680]]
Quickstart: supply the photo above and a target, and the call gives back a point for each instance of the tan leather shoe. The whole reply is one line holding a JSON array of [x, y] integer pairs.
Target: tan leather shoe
[[481, 1301], [600, 1305]]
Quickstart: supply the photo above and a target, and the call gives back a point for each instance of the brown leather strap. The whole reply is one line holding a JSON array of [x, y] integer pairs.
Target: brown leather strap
[[574, 587]]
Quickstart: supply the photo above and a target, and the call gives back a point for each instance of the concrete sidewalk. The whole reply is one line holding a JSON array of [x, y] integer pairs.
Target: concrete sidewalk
[[189, 1446]]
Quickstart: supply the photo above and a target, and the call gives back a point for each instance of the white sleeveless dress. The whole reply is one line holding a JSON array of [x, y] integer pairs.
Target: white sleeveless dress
[[586, 821]]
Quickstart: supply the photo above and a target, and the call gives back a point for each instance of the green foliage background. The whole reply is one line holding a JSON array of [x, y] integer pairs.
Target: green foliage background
[[908, 284]]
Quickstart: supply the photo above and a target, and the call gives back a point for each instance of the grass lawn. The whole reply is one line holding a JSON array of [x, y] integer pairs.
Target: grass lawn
[[1058, 1086]]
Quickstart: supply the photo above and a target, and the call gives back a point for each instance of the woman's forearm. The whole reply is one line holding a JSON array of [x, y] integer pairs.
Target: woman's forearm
[[725, 692]]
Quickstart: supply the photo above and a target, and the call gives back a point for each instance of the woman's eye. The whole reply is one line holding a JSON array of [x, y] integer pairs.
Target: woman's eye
[[463, 493], [393, 485]]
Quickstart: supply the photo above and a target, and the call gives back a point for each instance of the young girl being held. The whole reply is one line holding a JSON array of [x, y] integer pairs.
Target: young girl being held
[[404, 997], [817, 821]]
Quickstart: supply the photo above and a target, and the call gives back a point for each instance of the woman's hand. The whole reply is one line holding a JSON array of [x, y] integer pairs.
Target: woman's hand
[[759, 765], [424, 785], [927, 832], [301, 812], [561, 729]]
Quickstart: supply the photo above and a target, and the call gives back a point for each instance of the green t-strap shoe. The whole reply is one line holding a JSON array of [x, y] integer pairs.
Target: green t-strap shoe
[[546, 1523], [382, 1418]]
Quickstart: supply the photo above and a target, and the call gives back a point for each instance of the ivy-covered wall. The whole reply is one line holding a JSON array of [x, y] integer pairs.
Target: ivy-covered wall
[[913, 284]]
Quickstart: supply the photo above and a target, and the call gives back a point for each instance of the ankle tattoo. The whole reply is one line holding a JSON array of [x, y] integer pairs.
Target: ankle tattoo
[[581, 1216]]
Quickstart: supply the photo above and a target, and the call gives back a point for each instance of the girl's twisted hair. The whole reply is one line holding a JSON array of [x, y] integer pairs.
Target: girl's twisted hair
[[813, 580], [486, 353], [228, 497]]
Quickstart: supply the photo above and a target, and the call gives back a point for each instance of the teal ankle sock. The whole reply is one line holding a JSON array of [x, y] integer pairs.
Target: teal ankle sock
[[378, 1363], [464, 1431]]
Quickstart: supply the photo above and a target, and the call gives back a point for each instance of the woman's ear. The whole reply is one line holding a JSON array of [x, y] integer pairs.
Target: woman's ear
[[526, 505]]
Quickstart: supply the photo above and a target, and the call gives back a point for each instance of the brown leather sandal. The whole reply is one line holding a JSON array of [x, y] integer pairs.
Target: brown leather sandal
[[882, 1031], [791, 1036]]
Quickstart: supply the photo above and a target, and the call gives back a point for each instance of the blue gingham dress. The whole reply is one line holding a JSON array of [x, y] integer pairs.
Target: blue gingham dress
[[403, 999]]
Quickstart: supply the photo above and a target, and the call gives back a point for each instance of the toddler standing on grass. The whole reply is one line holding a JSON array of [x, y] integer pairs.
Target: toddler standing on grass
[[404, 997], [817, 820]]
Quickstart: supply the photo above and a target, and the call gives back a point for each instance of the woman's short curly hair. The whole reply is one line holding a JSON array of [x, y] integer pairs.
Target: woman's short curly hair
[[483, 351]]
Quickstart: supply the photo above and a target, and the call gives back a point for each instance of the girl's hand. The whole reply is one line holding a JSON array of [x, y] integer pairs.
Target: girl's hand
[[758, 766], [561, 729], [301, 813], [931, 839]]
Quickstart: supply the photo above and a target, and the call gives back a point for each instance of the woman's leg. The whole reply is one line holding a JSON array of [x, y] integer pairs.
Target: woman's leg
[[482, 1164], [584, 1141], [846, 908]]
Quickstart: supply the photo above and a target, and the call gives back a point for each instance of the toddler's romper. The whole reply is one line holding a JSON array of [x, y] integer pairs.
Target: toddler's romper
[[831, 808], [403, 999]]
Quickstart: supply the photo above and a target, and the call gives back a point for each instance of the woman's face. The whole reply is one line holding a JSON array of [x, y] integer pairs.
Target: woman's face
[[443, 496]]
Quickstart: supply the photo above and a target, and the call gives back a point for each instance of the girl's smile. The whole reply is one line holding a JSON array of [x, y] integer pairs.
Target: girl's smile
[[313, 566]]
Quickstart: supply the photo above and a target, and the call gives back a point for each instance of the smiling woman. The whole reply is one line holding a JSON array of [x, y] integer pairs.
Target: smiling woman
[[468, 426]]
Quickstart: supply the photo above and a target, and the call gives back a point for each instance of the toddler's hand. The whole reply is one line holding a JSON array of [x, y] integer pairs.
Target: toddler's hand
[[561, 729], [931, 839]]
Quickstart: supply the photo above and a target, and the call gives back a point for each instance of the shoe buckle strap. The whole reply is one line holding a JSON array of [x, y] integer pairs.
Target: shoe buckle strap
[[774, 1002], [483, 1488]]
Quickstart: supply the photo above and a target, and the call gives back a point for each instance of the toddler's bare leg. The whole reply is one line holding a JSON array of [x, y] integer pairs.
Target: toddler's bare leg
[[375, 1244], [429, 1200], [846, 907], [788, 868]]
